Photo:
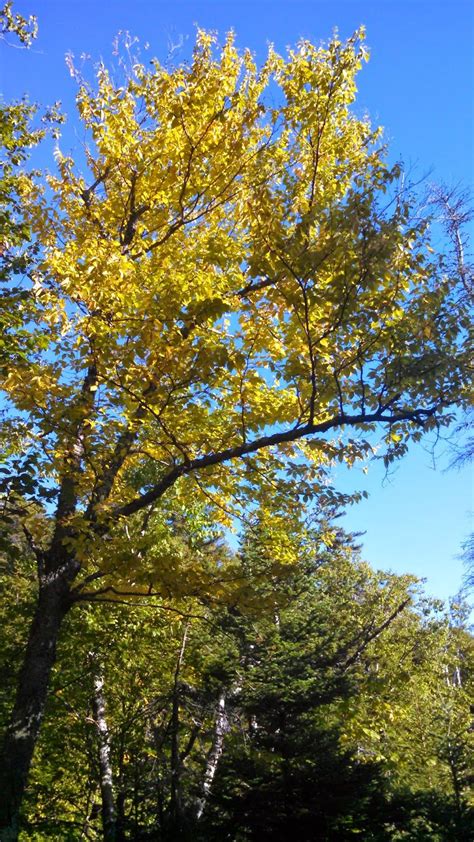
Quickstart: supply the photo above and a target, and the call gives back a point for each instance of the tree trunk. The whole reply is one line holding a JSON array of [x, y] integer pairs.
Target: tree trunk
[[32, 689], [220, 730], [176, 807], [105, 764], [120, 823]]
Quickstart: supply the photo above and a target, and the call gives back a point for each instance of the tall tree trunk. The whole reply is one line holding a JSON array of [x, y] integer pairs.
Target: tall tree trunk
[[176, 808], [109, 824], [33, 683], [220, 729], [120, 823]]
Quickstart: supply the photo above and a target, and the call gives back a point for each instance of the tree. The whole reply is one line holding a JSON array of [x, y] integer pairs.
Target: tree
[[353, 716], [330, 700], [24, 29], [17, 137], [230, 281]]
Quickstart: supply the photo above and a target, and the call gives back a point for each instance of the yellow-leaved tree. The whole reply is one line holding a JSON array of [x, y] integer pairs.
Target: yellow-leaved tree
[[232, 286]]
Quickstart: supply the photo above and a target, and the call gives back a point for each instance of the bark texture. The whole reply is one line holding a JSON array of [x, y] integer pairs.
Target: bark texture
[[220, 730], [22, 733], [109, 823]]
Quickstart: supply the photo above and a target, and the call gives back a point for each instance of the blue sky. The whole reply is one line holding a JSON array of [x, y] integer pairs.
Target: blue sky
[[418, 85]]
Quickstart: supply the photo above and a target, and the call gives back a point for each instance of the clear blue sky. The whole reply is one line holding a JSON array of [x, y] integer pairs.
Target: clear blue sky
[[418, 84]]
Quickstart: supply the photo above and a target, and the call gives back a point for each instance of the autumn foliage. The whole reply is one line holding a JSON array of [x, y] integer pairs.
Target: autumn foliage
[[226, 291]]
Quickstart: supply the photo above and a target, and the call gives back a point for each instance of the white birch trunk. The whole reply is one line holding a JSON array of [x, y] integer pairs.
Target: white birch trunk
[[220, 730], [105, 763]]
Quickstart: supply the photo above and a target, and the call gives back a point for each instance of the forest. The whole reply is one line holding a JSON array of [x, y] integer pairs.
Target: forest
[[227, 291]]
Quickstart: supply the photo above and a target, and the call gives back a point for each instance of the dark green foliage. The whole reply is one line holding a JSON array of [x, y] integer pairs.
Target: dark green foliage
[[296, 783]]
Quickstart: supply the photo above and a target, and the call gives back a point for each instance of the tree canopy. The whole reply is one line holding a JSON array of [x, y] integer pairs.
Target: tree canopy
[[232, 281], [228, 289]]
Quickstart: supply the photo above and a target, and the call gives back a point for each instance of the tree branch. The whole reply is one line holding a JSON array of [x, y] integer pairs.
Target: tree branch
[[295, 433], [371, 635]]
